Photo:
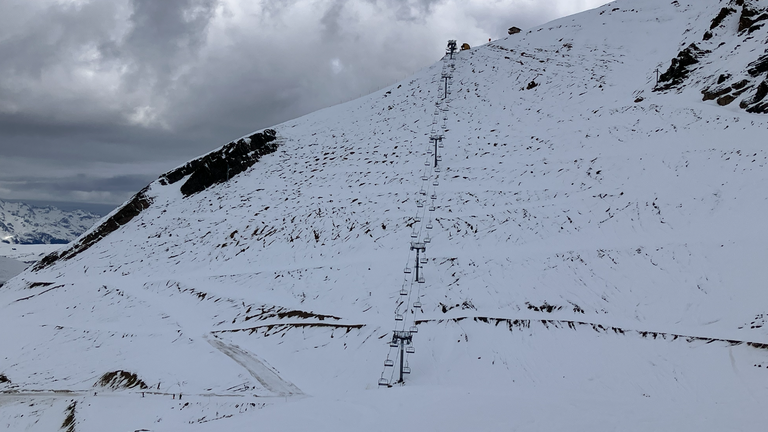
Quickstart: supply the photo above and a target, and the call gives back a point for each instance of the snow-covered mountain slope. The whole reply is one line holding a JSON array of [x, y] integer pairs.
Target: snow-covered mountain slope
[[595, 262], [24, 224]]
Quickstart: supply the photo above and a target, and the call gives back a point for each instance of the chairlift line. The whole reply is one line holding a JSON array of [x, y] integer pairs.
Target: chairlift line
[[403, 339]]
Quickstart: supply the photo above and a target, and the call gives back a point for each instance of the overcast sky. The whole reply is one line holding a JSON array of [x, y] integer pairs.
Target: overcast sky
[[99, 97]]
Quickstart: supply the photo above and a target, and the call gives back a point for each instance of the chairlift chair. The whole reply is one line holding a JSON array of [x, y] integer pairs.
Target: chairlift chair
[[406, 370], [414, 234], [427, 239], [421, 279], [424, 178], [417, 304], [389, 363], [393, 344], [417, 219], [414, 329], [440, 144], [419, 204], [423, 260], [398, 317], [410, 349], [403, 292], [429, 225], [433, 196], [407, 270], [427, 163], [437, 169], [383, 382], [436, 182], [432, 208], [422, 192]]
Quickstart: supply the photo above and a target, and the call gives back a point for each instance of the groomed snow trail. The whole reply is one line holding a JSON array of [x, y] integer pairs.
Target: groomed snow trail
[[263, 374]]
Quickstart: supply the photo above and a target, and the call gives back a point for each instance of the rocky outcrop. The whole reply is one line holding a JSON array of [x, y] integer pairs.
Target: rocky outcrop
[[752, 18], [128, 211], [680, 67], [120, 380], [223, 164]]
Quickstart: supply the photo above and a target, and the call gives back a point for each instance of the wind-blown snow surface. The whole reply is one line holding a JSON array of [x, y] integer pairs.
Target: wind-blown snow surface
[[596, 261]]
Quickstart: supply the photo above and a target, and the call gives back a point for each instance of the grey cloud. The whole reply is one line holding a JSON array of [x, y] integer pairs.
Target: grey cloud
[[163, 35]]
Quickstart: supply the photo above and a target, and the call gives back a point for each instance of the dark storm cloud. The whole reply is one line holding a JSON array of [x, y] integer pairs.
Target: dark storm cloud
[[99, 97]]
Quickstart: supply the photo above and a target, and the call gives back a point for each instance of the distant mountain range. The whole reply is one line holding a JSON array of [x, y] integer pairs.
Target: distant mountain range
[[21, 223]]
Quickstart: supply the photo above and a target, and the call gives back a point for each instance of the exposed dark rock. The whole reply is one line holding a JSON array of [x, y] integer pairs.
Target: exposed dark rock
[[755, 104], [725, 100], [120, 380], [723, 78], [758, 66], [750, 16], [707, 36], [221, 165], [532, 84], [69, 420], [131, 209], [724, 12], [739, 85], [710, 94], [680, 67], [4, 379], [514, 30]]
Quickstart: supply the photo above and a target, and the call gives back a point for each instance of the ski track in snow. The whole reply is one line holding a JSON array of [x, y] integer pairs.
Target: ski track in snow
[[265, 375]]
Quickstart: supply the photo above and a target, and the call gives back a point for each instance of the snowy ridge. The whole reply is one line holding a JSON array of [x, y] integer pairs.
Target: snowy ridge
[[24, 224], [598, 246]]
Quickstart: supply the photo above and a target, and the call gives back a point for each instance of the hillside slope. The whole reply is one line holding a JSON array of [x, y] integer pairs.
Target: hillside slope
[[595, 260]]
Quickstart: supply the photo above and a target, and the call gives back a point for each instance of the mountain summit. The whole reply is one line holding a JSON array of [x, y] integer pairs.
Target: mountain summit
[[590, 236]]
